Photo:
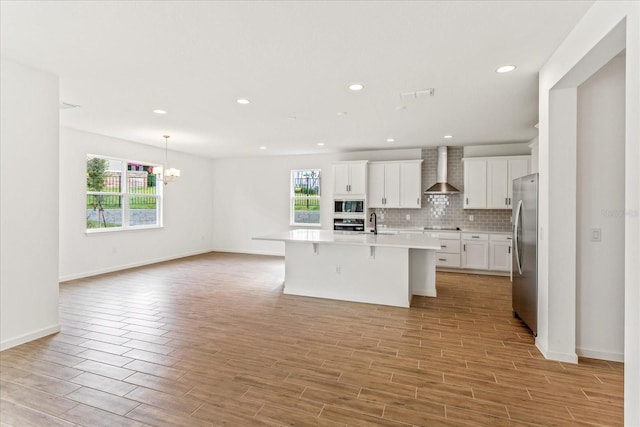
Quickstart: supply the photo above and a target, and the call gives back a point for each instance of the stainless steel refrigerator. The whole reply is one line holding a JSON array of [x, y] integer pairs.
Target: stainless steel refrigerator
[[525, 250]]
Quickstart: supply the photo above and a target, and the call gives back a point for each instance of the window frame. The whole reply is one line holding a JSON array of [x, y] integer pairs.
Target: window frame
[[125, 196], [293, 198]]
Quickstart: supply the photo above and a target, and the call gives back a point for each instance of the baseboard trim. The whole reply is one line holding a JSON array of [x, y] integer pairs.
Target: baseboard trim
[[234, 251], [553, 355], [25, 338], [471, 271], [84, 274], [601, 355]]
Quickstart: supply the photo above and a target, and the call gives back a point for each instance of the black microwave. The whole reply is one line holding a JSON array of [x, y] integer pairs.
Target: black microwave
[[348, 206]]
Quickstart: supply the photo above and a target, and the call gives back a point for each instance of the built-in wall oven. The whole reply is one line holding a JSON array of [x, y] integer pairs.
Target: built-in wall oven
[[348, 215], [348, 224]]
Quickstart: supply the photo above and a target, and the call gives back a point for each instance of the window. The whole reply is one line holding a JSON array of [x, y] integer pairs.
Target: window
[[305, 197], [121, 194]]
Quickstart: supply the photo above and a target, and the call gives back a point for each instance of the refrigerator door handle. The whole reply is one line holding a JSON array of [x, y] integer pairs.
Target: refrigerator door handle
[[516, 239]]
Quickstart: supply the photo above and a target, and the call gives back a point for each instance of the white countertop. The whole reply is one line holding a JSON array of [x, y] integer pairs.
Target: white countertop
[[384, 229], [412, 241]]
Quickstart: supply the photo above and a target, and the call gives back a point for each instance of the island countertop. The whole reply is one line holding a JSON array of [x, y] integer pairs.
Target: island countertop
[[410, 241]]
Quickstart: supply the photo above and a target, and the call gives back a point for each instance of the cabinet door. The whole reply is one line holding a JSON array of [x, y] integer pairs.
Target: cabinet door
[[498, 184], [411, 185], [474, 254], [475, 184], [376, 185], [499, 256], [358, 179], [341, 179], [392, 185], [517, 168]]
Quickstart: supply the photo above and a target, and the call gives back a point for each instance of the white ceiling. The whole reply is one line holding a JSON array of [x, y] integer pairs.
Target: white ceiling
[[120, 60]]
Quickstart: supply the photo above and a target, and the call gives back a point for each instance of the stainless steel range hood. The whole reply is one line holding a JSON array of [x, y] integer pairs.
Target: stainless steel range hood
[[442, 186]]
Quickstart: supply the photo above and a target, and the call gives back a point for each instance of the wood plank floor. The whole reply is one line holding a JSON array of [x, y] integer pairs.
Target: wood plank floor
[[211, 340]]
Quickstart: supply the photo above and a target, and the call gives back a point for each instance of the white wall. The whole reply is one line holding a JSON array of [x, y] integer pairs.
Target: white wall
[[579, 49], [512, 149], [252, 196], [188, 209], [535, 154], [252, 199], [600, 180], [28, 204]]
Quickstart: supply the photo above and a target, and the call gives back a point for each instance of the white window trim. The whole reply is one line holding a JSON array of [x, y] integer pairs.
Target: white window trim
[[293, 198], [125, 195]]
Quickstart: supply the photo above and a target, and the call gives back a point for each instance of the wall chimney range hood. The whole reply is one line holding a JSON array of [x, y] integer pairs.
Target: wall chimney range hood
[[442, 186]]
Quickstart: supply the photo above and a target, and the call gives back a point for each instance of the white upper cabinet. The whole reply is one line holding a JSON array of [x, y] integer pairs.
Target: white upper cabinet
[[411, 184], [395, 184], [500, 173], [475, 183], [376, 185], [517, 168], [350, 179], [498, 183], [488, 181]]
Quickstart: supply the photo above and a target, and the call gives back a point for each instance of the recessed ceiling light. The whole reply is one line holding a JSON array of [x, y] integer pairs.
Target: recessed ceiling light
[[242, 101], [160, 111], [342, 113], [505, 68], [292, 118], [320, 144], [263, 148], [448, 136], [356, 86], [391, 140]]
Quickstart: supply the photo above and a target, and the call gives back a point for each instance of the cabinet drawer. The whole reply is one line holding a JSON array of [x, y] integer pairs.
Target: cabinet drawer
[[447, 260], [450, 246], [475, 236], [500, 238]]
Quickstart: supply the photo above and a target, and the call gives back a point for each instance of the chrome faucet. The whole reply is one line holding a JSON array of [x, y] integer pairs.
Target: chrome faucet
[[374, 218]]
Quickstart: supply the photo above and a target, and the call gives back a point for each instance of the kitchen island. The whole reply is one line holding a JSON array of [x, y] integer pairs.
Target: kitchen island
[[377, 269]]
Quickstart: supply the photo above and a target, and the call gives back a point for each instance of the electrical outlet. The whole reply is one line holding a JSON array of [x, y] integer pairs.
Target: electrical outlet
[[408, 217], [470, 217], [338, 269], [381, 216], [596, 234]]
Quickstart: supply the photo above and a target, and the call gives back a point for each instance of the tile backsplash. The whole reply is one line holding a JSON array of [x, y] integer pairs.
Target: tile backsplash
[[445, 210]]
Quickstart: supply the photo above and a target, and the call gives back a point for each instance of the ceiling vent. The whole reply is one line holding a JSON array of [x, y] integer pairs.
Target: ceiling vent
[[418, 94]]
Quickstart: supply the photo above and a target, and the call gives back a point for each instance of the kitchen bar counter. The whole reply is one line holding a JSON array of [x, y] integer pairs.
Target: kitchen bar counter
[[379, 269], [416, 241]]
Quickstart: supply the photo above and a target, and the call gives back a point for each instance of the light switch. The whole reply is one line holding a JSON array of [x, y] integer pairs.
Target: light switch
[[596, 234]]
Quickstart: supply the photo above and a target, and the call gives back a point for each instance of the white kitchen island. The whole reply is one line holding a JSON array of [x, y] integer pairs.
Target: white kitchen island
[[385, 269]]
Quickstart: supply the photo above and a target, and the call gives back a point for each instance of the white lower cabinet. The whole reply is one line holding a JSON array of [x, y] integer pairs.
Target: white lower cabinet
[[475, 251], [449, 254], [500, 252]]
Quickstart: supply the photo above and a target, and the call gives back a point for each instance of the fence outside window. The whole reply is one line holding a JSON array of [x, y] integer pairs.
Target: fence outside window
[[121, 194], [305, 197]]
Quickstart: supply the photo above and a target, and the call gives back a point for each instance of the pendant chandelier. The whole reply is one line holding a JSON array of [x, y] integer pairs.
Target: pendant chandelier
[[165, 173]]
